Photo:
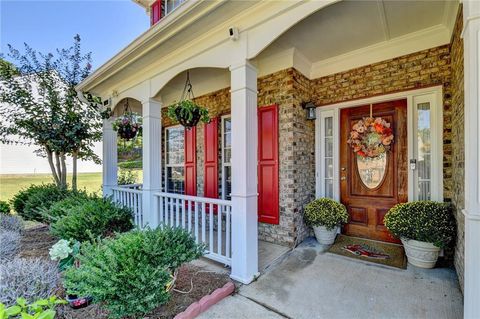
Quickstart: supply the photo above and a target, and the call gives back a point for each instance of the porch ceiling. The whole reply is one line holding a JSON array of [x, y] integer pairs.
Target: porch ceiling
[[350, 25]]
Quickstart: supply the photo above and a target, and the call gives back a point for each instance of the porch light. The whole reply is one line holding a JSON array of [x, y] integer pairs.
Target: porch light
[[310, 109]]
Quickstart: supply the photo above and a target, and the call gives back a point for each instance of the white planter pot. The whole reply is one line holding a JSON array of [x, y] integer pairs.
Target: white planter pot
[[324, 236], [420, 254]]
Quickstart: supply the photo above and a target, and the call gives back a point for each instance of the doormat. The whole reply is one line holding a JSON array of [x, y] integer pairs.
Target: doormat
[[370, 250]]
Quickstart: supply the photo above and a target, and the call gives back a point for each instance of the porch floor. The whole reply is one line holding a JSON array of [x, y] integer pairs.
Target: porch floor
[[309, 283]]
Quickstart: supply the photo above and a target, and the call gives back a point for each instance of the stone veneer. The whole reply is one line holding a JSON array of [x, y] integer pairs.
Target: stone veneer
[[458, 143], [289, 88]]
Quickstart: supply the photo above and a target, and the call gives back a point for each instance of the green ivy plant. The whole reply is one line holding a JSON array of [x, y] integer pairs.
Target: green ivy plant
[[186, 111], [325, 212], [426, 221], [40, 309]]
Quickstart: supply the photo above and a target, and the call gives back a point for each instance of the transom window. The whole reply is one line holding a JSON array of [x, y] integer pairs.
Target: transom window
[[226, 157], [175, 160]]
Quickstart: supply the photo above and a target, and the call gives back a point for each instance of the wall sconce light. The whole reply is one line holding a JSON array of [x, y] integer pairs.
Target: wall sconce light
[[310, 110]]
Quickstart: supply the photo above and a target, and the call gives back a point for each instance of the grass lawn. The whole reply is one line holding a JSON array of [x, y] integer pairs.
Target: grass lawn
[[11, 184]]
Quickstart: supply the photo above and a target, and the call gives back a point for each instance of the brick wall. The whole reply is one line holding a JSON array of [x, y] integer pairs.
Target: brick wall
[[458, 154]]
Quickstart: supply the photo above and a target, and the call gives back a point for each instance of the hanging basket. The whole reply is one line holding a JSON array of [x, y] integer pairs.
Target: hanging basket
[[128, 125], [186, 112]]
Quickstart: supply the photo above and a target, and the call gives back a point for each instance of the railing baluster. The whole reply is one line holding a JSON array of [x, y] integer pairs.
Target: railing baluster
[[195, 224], [211, 244], [227, 231], [184, 202], [189, 216], [170, 212], [177, 213], [160, 209], [204, 239], [219, 229]]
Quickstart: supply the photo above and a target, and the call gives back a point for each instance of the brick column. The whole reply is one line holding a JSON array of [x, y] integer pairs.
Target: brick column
[[244, 172], [471, 38]]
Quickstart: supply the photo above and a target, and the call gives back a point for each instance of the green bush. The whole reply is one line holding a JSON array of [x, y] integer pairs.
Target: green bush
[[40, 309], [130, 273], [92, 218], [325, 212], [425, 221], [127, 177], [63, 207], [29, 203], [4, 208]]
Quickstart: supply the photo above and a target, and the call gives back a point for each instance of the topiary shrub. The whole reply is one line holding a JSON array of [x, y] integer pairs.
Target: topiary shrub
[[131, 272], [11, 223], [426, 221], [30, 203], [91, 218], [9, 245], [32, 279], [4, 208], [325, 212]]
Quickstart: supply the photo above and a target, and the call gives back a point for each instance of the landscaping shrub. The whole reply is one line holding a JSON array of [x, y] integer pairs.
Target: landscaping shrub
[[4, 208], [130, 273], [134, 164], [127, 177], [325, 212], [63, 207], [425, 221], [29, 203], [40, 309], [9, 244], [32, 279], [11, 223], [93, 217]]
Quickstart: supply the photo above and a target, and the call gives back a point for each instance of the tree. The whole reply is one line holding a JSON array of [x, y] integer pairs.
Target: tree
[[40, 106]]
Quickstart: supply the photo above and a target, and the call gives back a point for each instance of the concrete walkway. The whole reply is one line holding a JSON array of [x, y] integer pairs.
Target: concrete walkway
[[309, 283]]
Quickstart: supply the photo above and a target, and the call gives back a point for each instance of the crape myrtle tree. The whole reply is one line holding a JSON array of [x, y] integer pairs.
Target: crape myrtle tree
[[39, 106]]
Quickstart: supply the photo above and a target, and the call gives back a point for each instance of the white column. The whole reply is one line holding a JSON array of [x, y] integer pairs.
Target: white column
[[109, 156], [471, 38], [244, 172], [152, 160]]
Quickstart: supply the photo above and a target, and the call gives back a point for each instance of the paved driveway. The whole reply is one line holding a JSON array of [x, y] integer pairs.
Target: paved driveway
[[308, 283]]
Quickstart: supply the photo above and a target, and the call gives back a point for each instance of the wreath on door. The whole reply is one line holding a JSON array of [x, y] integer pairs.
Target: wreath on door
[[371, 137]]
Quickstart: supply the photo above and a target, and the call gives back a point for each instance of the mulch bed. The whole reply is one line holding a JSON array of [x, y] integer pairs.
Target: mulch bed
[[37, 241]]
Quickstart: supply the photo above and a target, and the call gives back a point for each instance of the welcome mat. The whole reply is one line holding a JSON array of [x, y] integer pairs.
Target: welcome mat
[[369, 250]]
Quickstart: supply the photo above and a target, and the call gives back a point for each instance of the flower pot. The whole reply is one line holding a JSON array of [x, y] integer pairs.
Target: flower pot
[[127, 133], [324, 236], [420, 254]]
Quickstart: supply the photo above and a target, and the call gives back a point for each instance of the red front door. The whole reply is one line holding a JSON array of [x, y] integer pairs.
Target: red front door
[[369, 188]]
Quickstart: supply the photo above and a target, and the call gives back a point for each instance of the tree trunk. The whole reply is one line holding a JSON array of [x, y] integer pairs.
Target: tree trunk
[[52, 167], [64, 170], [74, 170]]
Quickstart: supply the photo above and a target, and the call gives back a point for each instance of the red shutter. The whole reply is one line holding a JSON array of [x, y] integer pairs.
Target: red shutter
[[155, 12], [191, 161], [268, 204], [210, 172]]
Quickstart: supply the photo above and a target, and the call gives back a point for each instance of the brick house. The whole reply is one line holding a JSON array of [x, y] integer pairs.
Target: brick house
[[258, 67]]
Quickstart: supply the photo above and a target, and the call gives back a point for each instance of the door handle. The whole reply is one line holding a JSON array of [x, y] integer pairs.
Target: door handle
[[343, 178]]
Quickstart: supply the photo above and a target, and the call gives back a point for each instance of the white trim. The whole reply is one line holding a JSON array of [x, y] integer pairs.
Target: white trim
[[437, 135], [222, 122], [410, 43]]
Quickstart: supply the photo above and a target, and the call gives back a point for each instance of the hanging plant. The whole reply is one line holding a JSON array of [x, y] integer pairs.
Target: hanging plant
[[187, 112], [128, 125], [371, 137]]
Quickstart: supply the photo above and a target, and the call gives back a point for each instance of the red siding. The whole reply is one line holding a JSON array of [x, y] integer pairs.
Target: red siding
[[191, 162], [155, 12], [211, 159], [268, 203]]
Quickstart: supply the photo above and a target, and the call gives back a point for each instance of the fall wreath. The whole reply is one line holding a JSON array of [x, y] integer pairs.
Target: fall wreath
[[370, 137]]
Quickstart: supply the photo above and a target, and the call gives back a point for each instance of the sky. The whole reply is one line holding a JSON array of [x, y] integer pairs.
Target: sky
[[105, 27]]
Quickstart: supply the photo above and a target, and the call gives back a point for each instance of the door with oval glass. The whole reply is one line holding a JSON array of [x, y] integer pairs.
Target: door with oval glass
[[373, 167]]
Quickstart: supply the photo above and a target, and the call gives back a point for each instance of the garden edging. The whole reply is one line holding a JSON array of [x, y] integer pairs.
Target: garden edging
[[206, 302]]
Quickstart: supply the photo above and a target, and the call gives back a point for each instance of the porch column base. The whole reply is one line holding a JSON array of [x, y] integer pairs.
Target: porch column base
[[150, 209], [472, 262]]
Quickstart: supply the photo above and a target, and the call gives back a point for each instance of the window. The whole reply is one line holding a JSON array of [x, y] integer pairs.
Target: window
[[172, 5], [424, 148], [326, 145], [226, 157], [174, 160]]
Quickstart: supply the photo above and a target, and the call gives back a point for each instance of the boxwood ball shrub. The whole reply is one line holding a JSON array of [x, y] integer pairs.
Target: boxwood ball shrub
[[325, 212], [130, 273], [426, 221], [30, 278], [91, 218], [4, 208], [62, 208], [29, 203]]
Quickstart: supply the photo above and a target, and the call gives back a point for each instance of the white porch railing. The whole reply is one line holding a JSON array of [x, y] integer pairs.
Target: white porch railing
[[131, 197], [208, 219]]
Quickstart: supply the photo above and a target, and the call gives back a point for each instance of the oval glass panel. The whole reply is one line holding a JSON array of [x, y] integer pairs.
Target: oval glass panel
[[372, 170]]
